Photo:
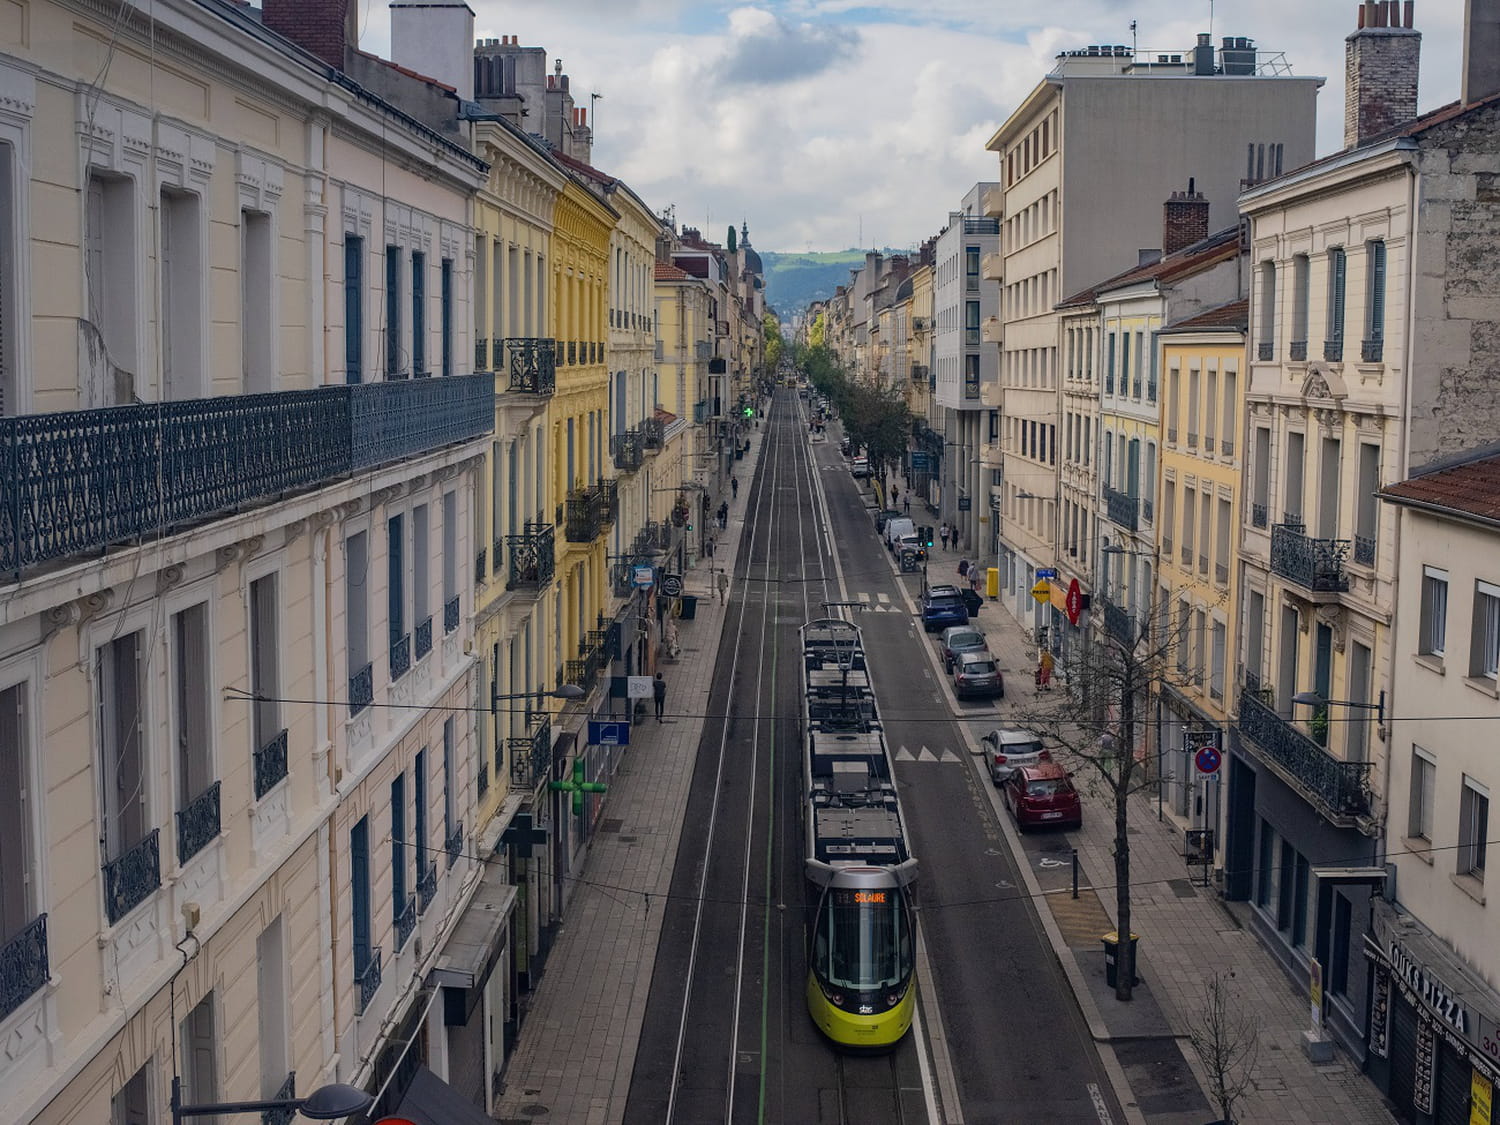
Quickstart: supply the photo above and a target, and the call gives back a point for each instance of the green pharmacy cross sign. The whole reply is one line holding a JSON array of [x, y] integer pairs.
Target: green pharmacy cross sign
[[577, 786]]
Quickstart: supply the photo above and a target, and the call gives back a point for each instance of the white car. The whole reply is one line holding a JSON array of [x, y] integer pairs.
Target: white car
[[1006, 751]]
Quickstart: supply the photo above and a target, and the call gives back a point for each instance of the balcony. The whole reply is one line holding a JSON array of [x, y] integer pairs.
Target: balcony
[[990, 330], [1122, 510], [270, 765], [426, 887], [361, 689], [132, 877], [400, 656], [1317, 565], [530, 364], [406, 922], [628, 450], [368, 980], [80, 481], [1265, 350], [481, 566], [453, 844], [450, 615], [1297, 351], [607, 497], [423, 637], [285, 1093], [1259, 516], [1339, 790], [992, 266], [583, 523], [981, 226], [702, 411], [1371, 351], [653, 434], [532, 556], [23, 966], [531, 755], [1333, 350], [198, 824], [1119, 624], [992, 202]]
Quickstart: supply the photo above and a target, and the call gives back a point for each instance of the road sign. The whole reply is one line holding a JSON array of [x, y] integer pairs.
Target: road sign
[[1042, 592], [1208, 759], [609, 734], [1045, 572], [643, 577], [671, 585], [965, 504], [1074, 602]]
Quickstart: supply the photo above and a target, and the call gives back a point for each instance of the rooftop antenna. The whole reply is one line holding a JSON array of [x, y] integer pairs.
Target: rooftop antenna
[[1134, 47], [1210, 18], [594, 112]]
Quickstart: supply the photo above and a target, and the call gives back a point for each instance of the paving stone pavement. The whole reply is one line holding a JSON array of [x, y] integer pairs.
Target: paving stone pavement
[[576, 1048]]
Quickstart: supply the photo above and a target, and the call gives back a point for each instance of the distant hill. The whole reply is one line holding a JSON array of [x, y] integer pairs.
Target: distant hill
[[794, 280]]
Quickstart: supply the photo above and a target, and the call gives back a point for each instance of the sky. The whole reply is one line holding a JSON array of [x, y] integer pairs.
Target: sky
[[831, 124]]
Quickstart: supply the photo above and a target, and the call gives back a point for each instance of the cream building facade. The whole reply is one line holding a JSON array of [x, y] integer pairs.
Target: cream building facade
[[251, 638]]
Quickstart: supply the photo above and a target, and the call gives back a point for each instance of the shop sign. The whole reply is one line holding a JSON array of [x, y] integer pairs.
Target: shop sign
[[1380, 1011], [1421, 1093], [1445, 1006], [1481, 1094]]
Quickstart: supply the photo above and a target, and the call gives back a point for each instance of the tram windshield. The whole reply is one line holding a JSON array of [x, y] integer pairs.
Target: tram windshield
[[863, 938]]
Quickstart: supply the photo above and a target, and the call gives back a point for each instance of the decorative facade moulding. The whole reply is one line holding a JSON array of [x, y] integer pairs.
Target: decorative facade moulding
[[169, 577]]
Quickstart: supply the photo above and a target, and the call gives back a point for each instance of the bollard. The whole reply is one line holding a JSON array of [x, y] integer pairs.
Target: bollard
[[1075, 872]]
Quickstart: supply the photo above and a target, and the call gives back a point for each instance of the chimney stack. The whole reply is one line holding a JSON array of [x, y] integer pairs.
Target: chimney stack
[[1481, 74], [324, 28], [436, 39], [1380, 71], [1184, 220]]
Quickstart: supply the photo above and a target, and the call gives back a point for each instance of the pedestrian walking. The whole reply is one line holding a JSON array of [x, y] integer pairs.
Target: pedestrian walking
[[943, 534], [723, 586], [963, 568], [895, 494], [659, 691], [734, 486], [708, 548], [975, 575], [724, 515], [906, 503], [1044, 671]]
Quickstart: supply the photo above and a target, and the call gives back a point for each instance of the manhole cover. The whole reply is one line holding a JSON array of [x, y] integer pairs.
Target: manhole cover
[[1182, 888], [611, 825]]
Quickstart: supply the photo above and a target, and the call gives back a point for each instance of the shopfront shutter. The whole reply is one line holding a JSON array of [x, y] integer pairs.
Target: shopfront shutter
[[1403, 1054], [1453, 1078]]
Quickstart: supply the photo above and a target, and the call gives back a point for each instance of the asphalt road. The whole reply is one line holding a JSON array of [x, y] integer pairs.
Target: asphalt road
[[726, 1036]]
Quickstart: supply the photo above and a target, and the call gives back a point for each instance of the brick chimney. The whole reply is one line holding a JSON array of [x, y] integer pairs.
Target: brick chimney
[[325, 28], [1184, 220], [1380, 71], [1481, 76]]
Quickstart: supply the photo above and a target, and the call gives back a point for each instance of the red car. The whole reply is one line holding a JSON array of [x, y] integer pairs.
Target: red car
[[1043, 794]]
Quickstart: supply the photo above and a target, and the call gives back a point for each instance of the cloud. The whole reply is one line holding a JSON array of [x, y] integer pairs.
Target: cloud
[[767, 50]]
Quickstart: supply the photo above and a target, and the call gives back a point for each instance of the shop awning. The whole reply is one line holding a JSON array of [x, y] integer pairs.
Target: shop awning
[[431, 1101], [469, 957]]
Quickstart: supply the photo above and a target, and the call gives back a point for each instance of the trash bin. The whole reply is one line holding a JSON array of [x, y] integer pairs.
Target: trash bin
[[992, 582], [689, 607], [1112, 957]]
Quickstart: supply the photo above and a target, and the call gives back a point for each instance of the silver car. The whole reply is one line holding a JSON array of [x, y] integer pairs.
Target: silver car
[[957, 639], [1006, 751]]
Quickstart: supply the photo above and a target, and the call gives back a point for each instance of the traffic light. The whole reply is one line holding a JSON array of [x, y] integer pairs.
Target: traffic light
[[926, 536]]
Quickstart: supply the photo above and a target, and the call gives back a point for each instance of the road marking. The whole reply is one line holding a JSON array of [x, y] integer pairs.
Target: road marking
[[926, 756], [1100, 1106], [950, 756], [1051, 863], [883, 598], [904, 755]]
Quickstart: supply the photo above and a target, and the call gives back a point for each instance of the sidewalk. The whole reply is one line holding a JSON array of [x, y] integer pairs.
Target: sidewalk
[[576, 1048], [1187, 934]]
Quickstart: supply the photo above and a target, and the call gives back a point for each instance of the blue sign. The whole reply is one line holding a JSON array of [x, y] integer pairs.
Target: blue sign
[[644, 577], [919, 462], [1207, 760], [1045, 572], [609, 734]]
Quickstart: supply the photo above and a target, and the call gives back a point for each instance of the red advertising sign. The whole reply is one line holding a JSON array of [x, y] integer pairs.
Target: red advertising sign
[[1075, 602]]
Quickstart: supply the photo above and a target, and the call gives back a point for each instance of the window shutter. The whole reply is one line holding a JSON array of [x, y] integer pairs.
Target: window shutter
[[418, 314], [1336, 295], [1377, 290], [354, 324], [392, 311], [359, 881]]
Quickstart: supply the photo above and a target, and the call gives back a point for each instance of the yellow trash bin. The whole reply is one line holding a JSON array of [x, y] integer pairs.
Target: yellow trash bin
[[992, 582]]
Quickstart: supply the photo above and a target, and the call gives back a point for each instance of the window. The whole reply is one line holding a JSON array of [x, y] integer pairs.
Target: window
[[1210, 409], [181, 296], [395, 532], [354, 319], [1109, 366], [392, 312], [1374, 301], [1216, 665], [418, 313], [359, 893], [1265, 867], [1255, 633], [1333, 337], [357, 617], [1423, 786], [132, 1105], [1226, 439], [1151, 380], [450, 561], [10, 402], [971, 323], [191, 711], [421, 581], [449, 802], [271, 993], [1292, 498], [398, 855], [1300, 273], [124, 775], [1125, 365], [419, 814], [18, 906], [446, 314], [257, 296], [199, 1080], [1434, 624], [1473, 828], [1484, 651], [110, 272], [971, 268], [1266, 328], [1192, 418], [265, 680]]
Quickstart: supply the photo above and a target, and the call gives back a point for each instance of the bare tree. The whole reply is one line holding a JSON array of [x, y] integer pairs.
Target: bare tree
[[1107, 682], [1226, 1044]]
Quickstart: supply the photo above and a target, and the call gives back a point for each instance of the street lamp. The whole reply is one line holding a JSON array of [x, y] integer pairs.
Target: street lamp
[[326, 1103], [1313, 699], [565, 691]]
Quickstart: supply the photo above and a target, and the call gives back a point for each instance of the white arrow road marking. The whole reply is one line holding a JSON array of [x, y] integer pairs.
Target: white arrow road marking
[[904, 755], [950, 756], [926, 756]]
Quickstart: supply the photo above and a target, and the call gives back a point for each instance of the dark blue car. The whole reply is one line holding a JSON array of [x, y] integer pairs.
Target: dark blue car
[[943, 606]]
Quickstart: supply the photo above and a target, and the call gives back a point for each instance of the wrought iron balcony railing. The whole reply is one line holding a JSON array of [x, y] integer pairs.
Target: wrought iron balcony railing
[[481, 354], [1339, 790], [198, 823], [423, 637], [450, 615], [400, 656], [1297, 351], [581, 672], [583, 523], [1259, 516], [530, 364], [532, 556], [1372, 351], [1364, 550], [82, 480], [1314, 564], [132, 877], [23, 965], [531, 756], [427, 887], [702, 411], [361, 689], [481, 566], [368, 981], [484, 776], [608, 498], [1119, 624], [286, 1093], [1123, 510], [629, 450], [1265, 350], [653, 434], [453, 844], [406, 922], [1333, 350], [270, 764]]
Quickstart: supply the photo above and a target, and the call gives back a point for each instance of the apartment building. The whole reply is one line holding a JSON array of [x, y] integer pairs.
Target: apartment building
[[1368, 360], [1432, 942], [238, 822], [963, 371], [1084, 162]]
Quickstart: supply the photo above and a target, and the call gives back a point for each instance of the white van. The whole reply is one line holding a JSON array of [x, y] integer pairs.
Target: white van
[[895, 529]]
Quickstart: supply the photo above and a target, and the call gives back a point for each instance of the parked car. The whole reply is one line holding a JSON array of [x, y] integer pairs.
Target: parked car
[[884, 515], [1006, 751], [1043, 794], [943, 606], [860, 466], [957, 639], [895, 528], [977, 676], [913, 543]]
